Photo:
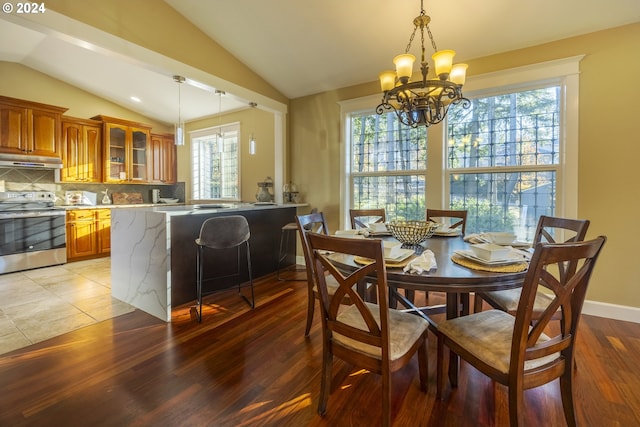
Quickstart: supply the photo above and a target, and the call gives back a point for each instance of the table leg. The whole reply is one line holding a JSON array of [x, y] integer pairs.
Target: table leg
[[453, 310], [464, 300]]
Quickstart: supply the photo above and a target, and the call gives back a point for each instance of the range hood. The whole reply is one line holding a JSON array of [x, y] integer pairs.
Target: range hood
[[30, 162]]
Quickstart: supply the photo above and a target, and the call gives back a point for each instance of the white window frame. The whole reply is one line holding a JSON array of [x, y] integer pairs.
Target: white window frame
[[564, 72], [206, 132]]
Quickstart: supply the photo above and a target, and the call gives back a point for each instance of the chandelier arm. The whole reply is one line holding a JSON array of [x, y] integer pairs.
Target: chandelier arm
[[433, 42], [413, 34]]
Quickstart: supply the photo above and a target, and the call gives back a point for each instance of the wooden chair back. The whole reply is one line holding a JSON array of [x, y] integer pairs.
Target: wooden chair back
[[461, 215], [532, 353], [313, 222], [558, 230], [568, 289], [361, 217], [550, 229], [359, 333], [373, 334]]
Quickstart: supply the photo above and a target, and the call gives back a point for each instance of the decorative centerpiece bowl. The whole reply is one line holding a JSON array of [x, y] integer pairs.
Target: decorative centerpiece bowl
[[412, 232]]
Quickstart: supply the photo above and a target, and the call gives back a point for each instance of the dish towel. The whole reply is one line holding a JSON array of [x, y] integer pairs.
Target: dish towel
[[424, 262]]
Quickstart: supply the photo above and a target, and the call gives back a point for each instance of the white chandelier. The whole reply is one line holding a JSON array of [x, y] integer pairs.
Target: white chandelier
[[424, 102]]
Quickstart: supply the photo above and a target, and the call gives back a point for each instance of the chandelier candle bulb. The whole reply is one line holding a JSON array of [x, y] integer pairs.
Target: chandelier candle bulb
[[387, 80], [458, 74], [443, 61], [404, 66]]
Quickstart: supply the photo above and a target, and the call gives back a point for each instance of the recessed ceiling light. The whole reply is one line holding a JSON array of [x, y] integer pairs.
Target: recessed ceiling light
[[136, 99]]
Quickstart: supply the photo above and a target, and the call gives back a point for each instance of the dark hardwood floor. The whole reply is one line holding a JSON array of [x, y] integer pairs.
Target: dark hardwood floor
[[255, 368]]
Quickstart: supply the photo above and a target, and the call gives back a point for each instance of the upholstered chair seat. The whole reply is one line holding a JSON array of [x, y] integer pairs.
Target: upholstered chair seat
[[404, 330]]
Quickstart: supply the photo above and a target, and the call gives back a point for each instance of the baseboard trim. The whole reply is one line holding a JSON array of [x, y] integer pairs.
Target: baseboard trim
[[612, 311]]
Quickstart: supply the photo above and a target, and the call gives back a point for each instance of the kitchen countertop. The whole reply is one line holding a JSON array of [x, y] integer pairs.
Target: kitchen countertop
[[208, 208], [175, 209], [139, 205]]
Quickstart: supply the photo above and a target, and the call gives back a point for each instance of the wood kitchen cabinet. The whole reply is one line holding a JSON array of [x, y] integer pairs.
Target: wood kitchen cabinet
[[126, 150], [103, 219], [162, 159], [29, 128], [81, 150], [88, 233]]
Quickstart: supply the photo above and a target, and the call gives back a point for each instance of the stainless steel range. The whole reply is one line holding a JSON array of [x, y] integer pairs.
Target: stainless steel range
[[32, 231]]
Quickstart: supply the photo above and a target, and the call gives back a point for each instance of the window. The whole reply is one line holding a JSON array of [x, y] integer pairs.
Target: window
[[387, 163], [503, 159], [508, 159], [215, 162]]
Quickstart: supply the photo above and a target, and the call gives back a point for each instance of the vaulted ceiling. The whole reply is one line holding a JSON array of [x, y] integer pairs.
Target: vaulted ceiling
[[303, 47]]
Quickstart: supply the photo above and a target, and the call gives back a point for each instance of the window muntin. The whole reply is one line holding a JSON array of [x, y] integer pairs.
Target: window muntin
[[215, 163], [387, 163], [498, 201], [503, 159]]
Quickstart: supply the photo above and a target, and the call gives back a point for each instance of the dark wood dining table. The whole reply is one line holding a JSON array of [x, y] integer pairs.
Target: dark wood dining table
[[455, 280]]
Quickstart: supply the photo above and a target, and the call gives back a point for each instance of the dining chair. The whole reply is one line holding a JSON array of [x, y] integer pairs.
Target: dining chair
[[512, 350], [456, 218], [220, 233], [365, 335], [360, 218], [549, 230], [316, 223]]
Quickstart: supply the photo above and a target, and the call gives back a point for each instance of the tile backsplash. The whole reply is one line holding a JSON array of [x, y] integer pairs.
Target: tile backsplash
[[18, 179]]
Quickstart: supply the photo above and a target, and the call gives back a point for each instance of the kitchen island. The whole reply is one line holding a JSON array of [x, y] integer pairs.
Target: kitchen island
[[153, 251]]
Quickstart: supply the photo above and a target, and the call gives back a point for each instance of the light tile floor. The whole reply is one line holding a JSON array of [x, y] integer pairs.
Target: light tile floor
[[39, 304]]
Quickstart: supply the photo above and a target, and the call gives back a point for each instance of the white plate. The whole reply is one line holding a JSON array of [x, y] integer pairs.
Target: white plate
[[402, 255], [520, 244], [378, 233], [513, 258], [447, 233]]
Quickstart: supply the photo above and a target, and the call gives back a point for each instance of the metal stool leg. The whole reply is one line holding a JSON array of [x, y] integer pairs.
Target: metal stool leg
[[199, 284], [285, 238], [252, 303]]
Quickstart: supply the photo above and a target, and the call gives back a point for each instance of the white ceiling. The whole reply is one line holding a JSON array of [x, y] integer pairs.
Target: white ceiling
[[304, 47]]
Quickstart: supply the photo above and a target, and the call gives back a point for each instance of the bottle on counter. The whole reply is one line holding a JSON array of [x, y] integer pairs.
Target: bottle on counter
[[106, 200]]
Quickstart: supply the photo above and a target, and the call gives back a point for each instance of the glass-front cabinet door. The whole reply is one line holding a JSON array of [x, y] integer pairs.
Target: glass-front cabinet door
[[116, 169], [126, 153], [139, 143]]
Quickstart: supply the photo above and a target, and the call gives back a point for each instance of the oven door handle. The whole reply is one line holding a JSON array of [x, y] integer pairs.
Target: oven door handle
[[17, 215]]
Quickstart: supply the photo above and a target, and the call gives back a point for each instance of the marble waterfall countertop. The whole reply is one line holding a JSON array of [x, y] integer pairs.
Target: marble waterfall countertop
[[144, 273]]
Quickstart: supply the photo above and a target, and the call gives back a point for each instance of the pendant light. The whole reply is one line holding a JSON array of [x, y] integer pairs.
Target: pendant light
[[252, 141], [220, 133], [179, 126]]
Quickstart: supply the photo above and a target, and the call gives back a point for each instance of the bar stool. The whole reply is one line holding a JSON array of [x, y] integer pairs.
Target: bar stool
[[224, 232], [288, 234]]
